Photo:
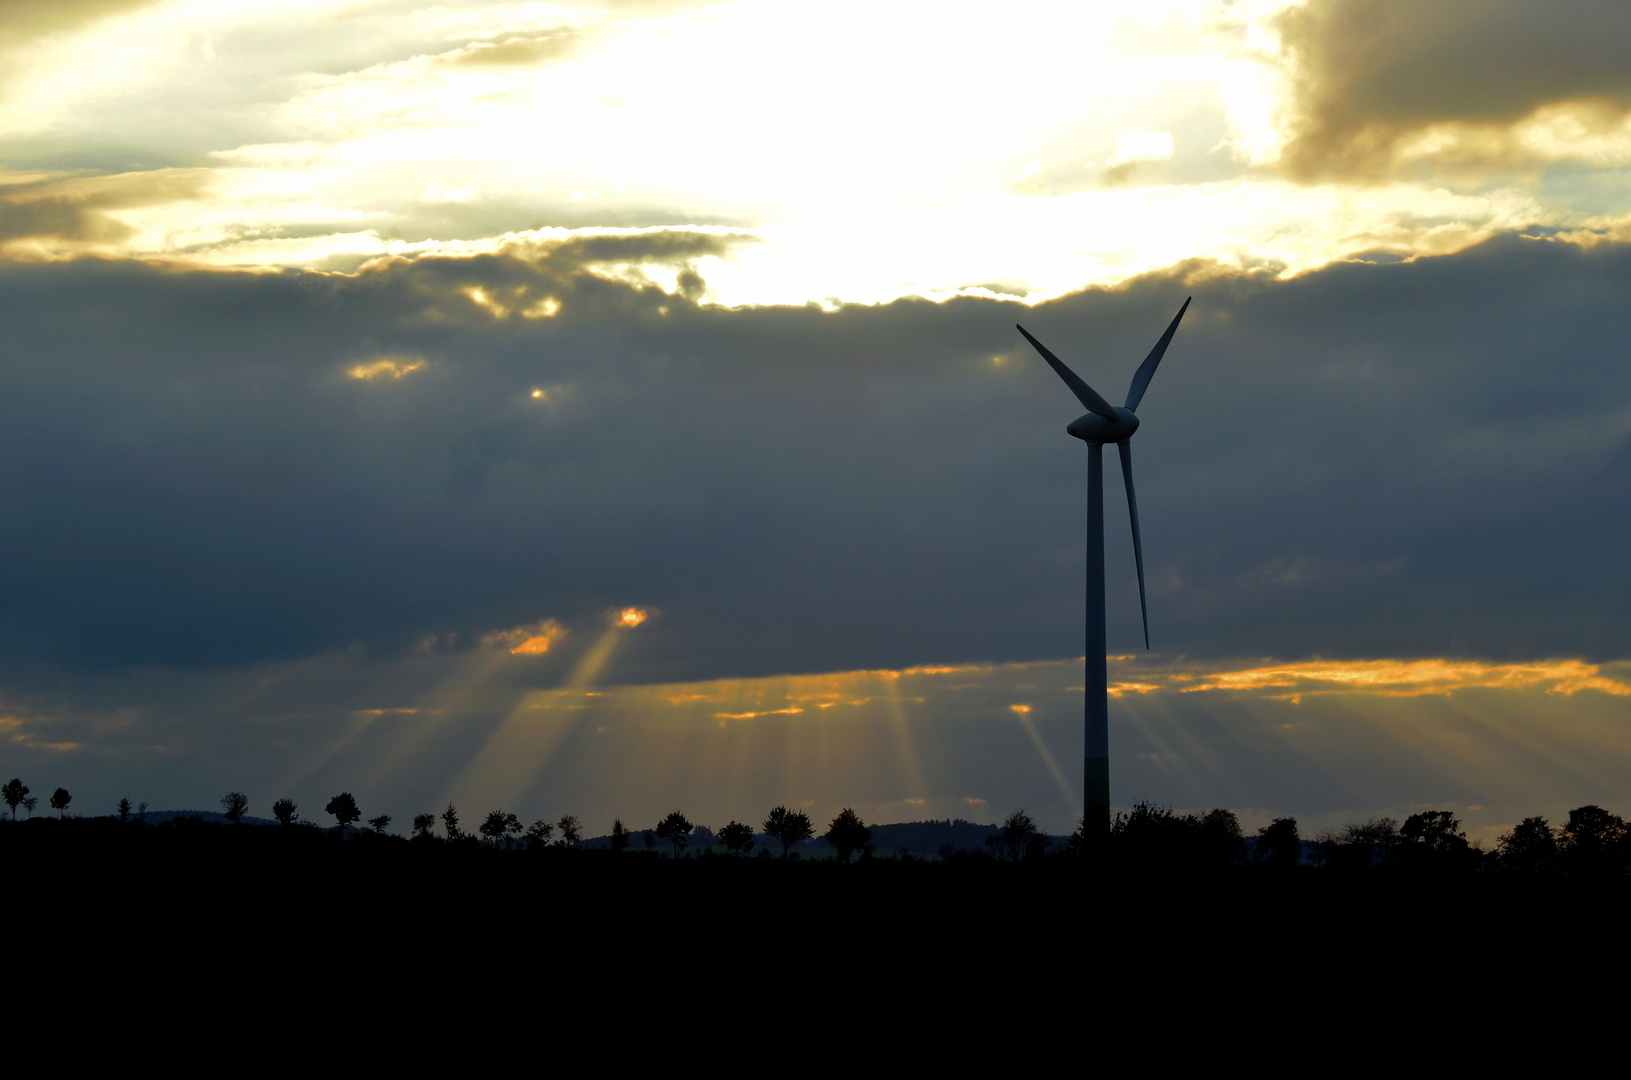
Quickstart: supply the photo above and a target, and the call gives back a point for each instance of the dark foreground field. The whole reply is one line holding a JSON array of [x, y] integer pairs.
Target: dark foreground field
[[246, 921]]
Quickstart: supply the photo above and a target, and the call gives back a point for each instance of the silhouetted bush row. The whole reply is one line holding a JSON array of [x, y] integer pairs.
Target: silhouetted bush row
[[1592, 841]]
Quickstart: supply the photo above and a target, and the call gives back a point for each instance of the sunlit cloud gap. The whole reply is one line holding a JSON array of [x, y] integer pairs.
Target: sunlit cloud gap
[[1139, 137]]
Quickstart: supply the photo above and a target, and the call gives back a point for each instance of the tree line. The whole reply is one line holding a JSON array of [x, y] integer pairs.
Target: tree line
[[1591, 841]]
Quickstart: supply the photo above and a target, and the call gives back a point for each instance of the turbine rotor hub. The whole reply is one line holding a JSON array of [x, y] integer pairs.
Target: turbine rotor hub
[[1093, 428]]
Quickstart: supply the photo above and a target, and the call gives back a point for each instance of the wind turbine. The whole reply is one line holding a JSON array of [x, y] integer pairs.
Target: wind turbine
[[1104, 423]]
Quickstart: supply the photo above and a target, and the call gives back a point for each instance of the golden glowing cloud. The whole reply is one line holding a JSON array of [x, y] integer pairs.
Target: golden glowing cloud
[[533, 639], [1413, 678], [630, 617], [387, 367], [1021, 709]]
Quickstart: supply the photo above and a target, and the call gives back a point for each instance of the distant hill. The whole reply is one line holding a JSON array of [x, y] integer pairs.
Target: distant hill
[[159, 817], [917, 837]]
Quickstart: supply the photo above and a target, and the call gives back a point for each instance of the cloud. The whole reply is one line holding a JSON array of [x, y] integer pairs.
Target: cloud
[[515, 51], [386, 368], [531, 639], [24, 20], [83, 210], [1376, 460], [1377, 84]]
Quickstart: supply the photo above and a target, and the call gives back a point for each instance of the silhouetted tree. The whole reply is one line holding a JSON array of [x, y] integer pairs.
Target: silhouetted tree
[[500, 826], [1531, 845], [59, 802], [29, 804], [378, 823], [450, 822], [124, 810], [1154, 835], [14, 792], [648, 838], [789, 827], [1220, 836], [847, 833], [1593, 842], [344, 809], [424, 826], [1433, 840], [674, 828], [620, 835], [1078, 839], [1014, 838], [737, 838], [571, 830], [141, 813], [284, 810], [234, 805], [1278, 843], [1362, 845], [539, 833]]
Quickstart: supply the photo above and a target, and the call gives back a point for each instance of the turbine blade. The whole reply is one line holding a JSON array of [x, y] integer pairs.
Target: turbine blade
[[1146, 370], [1138, 544], [1084, 393]]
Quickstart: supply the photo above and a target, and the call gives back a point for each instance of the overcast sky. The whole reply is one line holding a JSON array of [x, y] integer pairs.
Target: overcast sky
[[365, 363]]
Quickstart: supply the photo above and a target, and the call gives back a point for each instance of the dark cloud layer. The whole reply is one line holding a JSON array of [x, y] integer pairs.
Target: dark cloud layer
[[1412, 459], [1371, 73]]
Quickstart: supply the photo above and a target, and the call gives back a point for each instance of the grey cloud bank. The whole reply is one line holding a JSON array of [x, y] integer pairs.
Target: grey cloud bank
[[1420, 459]]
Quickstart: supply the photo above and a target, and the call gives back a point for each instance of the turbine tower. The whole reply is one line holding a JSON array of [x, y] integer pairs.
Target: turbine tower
[[1104, 423]]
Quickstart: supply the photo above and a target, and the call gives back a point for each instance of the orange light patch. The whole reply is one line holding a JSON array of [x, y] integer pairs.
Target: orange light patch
[[1021, 709], [631, 617], [387, 367], [532, 639], [791, 710], [1415, 678]]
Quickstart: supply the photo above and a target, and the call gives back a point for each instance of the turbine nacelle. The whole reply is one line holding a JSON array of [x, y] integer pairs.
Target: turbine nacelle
[[1093, 428]]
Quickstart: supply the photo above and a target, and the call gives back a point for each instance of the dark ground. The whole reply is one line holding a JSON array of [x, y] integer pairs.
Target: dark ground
[[250, 923]]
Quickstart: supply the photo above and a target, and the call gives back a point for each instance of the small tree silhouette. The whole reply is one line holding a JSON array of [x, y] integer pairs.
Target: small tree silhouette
[[450, 822], [344, 809], [737, 838], [1278, 842], [29, 804], [124, 810], [539, 833], [1220, 837], [378, 823], [141, 813], [571, 830], [1015, 837], [848, 833], [284, 810], [234, 805], [788, 827], [499, 826], [14, 793], [1531, 845], [674, 828], [424, 826], [59, 802], [620, 835]]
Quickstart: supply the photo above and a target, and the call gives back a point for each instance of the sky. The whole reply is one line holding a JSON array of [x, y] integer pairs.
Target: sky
[[611, 407]]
